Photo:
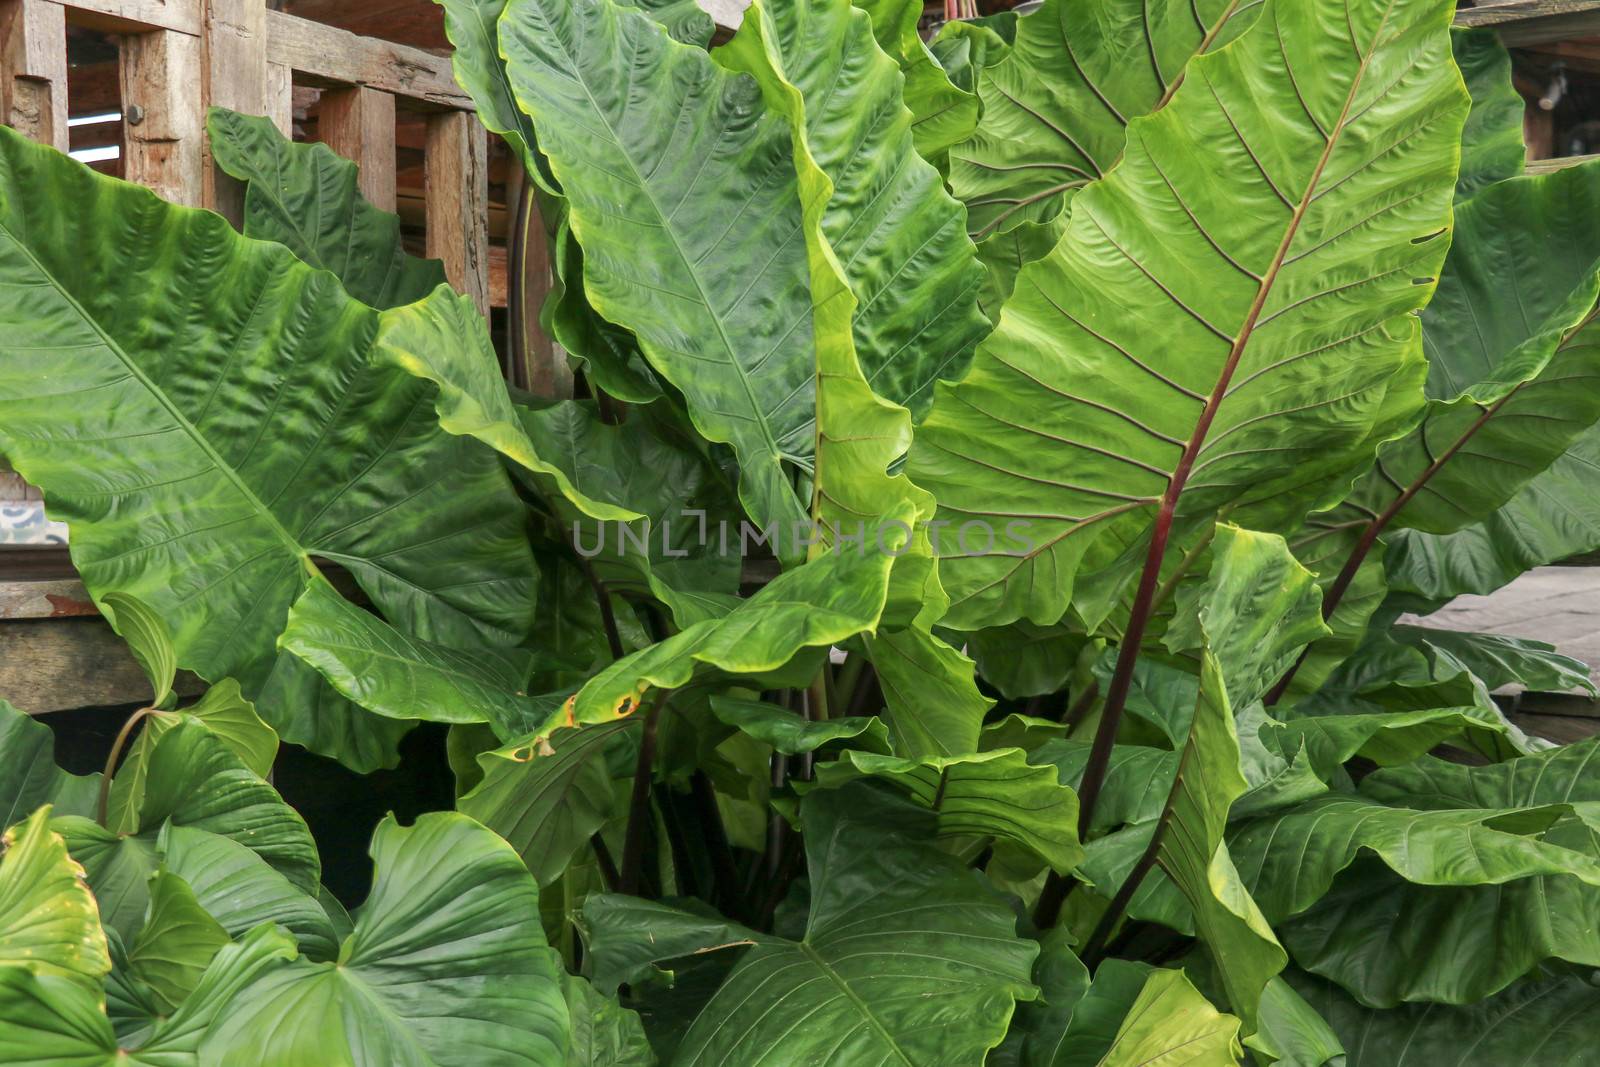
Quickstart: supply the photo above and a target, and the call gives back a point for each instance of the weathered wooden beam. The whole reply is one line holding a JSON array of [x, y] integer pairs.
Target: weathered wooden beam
[[278, 98], [33, 58], [457, 194], [63, 663], [234, 46], [164, 123], [1525, 22], [138, 16], [358, 123], [338, 57]]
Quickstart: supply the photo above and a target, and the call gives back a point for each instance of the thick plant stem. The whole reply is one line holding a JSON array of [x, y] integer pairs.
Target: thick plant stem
[[607, 617], [111, 761], [608, 866], [639, 810], [1094, 772], [724, 871]]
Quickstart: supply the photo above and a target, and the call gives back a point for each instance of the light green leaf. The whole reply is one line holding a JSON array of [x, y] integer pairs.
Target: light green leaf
[[906, 958], [305, 196], [931, 689], [942, 114], [49, 923], [791, 733], [147, 639], [51, 1022], [444, 340], [473, 29], [661, 192], [306, 711], [176, 943], [1498, 659], [823, 603], [452, 914], [1171, 1023], [1512, 358], [167, 440], [547, 798], [399, 676], [29, 776], [897, 238], [994, 794], [1228, 319], [1292, 1034]]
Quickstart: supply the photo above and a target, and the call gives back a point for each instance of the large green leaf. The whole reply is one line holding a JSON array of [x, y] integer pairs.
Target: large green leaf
[[196, 780], [1491, 142], [1512, 361], [1477, 917], [305, 196], [447, 965], [394, 674], [47, 1021], [942, 113], [1388, 941], [29, 776], [214, 418], [897, 237], [791, 733], [225, 713], [664, 192], [1056, 108], [1229, 312], [1546, 1021], [604, 1034], [547, 799], [240, 890], [823, 603], [995, 794], [906, 958], [49, 923]]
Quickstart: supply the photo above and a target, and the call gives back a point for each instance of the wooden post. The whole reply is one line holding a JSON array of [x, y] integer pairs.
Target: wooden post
[[163, 115], [33, 61], [279, 103], [235, 78], [358, 123], [456, 180]]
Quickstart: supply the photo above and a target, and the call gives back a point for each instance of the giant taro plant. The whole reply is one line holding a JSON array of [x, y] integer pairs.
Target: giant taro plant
[[960, 625]]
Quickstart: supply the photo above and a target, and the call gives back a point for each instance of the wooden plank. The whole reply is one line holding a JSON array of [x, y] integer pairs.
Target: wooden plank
[[33, 57], [57, 664], [236, 78], [358, 123], [338, 57], [457, 184], [278, 102], [51, 598], [1545, 166], [139, 16], [1525, 22], [165, 116]]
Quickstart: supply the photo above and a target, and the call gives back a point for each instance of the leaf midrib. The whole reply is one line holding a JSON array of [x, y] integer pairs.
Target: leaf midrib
[[183, 423]]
